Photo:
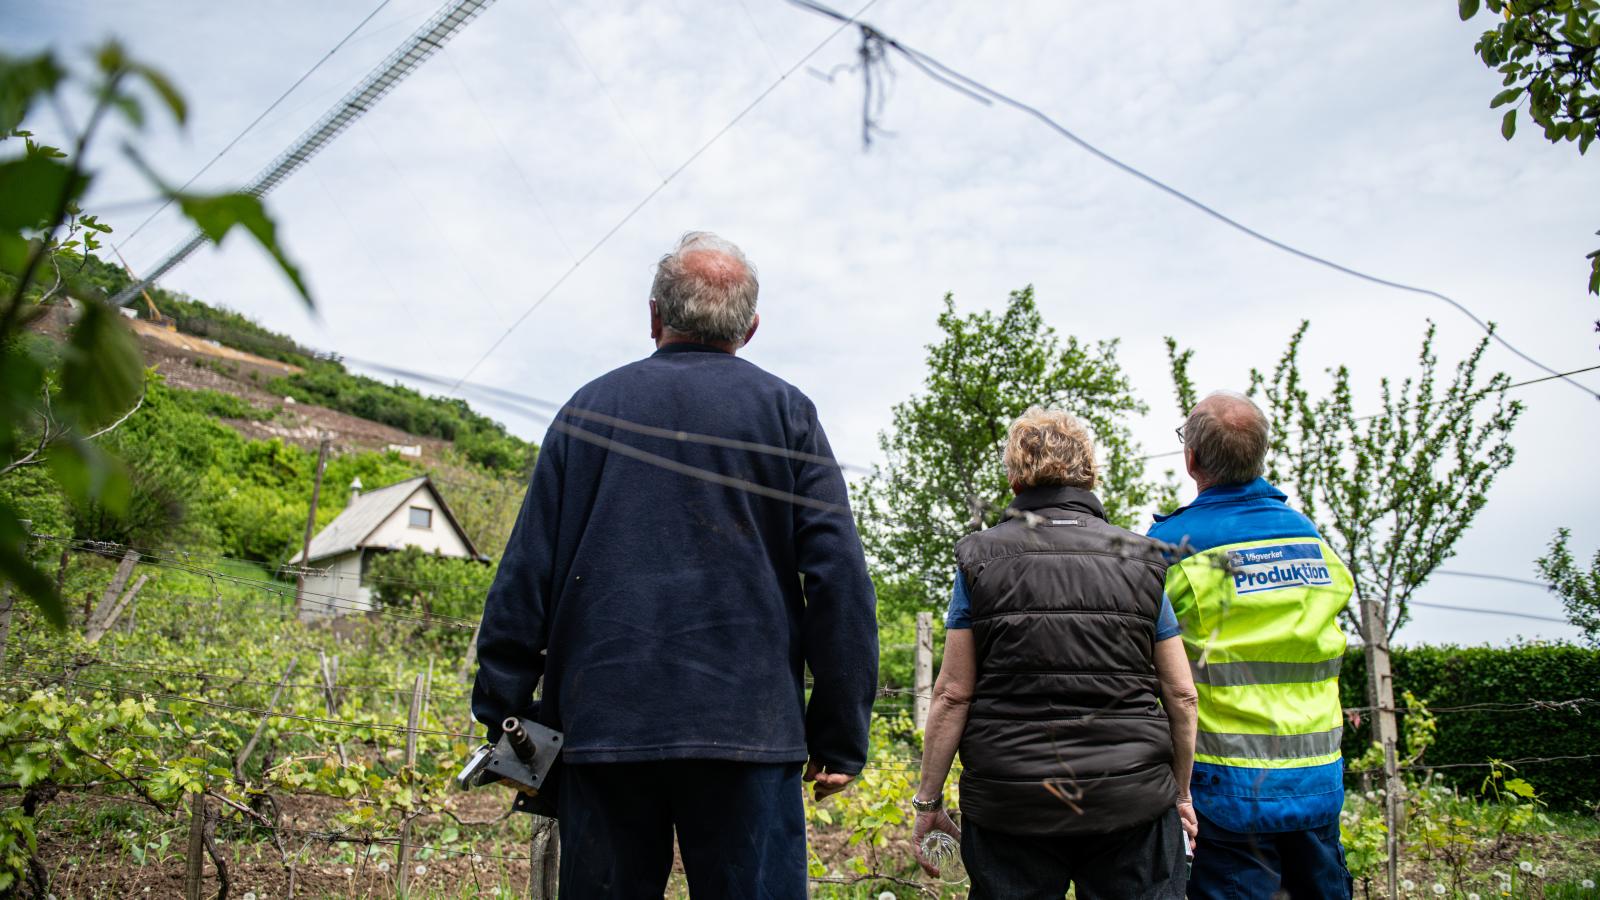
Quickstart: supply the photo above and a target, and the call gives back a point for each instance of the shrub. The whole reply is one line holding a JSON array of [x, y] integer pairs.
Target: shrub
[[1447, 676]]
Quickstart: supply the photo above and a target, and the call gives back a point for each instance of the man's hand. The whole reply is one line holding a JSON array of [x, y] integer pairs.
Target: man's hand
[[827, 783], [938, 820], [1186, 816]]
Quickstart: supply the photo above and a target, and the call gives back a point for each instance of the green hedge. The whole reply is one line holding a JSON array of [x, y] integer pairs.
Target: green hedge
[[1462, 676]]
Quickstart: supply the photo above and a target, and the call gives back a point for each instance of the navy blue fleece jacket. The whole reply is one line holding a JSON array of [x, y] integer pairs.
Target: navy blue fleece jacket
[[679, 582]]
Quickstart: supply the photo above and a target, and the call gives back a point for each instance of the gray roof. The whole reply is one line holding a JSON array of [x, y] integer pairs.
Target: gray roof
[[350, 530]]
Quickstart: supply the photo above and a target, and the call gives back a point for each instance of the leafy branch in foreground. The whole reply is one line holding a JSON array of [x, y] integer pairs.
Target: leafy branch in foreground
[[55, 400], [1546, 50]]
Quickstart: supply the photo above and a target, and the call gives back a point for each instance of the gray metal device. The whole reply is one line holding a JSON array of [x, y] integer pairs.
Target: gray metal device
[[522, 759]]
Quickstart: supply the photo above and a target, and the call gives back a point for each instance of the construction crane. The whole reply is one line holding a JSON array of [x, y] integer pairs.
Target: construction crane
[[412, 52]]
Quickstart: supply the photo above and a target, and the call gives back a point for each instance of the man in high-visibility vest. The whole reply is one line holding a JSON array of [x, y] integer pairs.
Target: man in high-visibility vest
[[1259, 604]]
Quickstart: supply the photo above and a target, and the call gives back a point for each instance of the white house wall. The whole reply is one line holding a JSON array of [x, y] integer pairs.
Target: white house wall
[[339, 591], [396, 531]]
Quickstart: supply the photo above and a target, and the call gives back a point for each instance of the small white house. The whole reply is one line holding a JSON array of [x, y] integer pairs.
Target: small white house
[[408, 514]]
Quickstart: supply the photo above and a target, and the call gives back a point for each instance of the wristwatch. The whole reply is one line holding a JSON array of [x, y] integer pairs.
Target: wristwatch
[[924, 806]]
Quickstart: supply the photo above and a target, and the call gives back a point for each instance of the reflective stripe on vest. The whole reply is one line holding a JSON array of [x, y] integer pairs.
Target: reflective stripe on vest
[[1261, 627], [1233, 674]]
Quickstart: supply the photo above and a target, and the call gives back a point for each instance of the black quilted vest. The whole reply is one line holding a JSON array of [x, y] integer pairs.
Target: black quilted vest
[[1065, 734]]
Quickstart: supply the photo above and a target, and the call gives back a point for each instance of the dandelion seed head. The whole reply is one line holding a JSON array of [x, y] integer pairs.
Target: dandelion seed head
[[1525, 866]]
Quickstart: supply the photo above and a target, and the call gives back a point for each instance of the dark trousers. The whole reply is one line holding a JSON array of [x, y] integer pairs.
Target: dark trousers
[[1308, 865], [740, 829], [1144, 862]]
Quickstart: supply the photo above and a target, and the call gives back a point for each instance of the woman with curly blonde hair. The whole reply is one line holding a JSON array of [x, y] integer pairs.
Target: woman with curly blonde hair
[[1066, 687]]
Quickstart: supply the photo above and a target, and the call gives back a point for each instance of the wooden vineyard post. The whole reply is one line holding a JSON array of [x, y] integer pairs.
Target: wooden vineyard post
[[261, 726], [109, 600], [311, 525], [924, 669], [545, 859], [1385, 729], [195, 860], [403, 875], [544, 851], [106, 615]]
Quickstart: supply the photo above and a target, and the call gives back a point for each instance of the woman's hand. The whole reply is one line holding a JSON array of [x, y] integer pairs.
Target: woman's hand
[[938, 820], [1190, 822]]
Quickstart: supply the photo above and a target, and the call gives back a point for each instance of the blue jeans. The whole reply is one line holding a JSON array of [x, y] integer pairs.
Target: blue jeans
[[1307, 865], [740, 829], [1144, 862]]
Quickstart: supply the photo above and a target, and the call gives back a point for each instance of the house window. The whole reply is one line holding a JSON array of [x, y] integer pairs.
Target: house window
[[421, 517]]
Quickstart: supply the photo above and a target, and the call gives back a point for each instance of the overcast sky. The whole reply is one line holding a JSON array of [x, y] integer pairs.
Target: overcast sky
[[1360, 132]]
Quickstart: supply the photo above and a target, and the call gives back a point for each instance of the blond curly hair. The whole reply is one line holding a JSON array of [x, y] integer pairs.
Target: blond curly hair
[[1047, 448]]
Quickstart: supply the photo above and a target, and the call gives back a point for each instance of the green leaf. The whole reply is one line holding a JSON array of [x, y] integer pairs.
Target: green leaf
[[13, 252], [101, 371], [217, 214], [164, 89], [111, 57], [1504, 97], [1508, 125], [131, 110], [1467, 9], [22, 81], [33, 187], [90, 475], [16, 569], [30, 769]]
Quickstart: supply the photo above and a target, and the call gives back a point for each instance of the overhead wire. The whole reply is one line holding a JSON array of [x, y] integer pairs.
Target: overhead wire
[[987, 95], [1512, 386], [256, 121], [505, 151], [651, 195]]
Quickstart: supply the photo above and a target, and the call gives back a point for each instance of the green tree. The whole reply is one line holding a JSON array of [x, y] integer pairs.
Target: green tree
[[1391, 492], [55, 401], [433, 585], [1546, 50], [943, 475], [1579, 589]]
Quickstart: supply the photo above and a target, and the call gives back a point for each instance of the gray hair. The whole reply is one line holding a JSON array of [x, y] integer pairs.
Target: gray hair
[[706, 289], [1227, 433]]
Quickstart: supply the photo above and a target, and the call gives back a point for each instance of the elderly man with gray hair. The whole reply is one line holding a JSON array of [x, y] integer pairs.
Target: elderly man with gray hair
[[1259, 606], [685, 555]]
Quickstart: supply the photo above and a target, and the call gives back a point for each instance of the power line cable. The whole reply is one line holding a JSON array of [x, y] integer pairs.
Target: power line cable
[[1508, 387], [505, 151], [984, 93], [415, 50], [644, 201], [256, 121], [1510, 579], [555, 15], [1488, 612]]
